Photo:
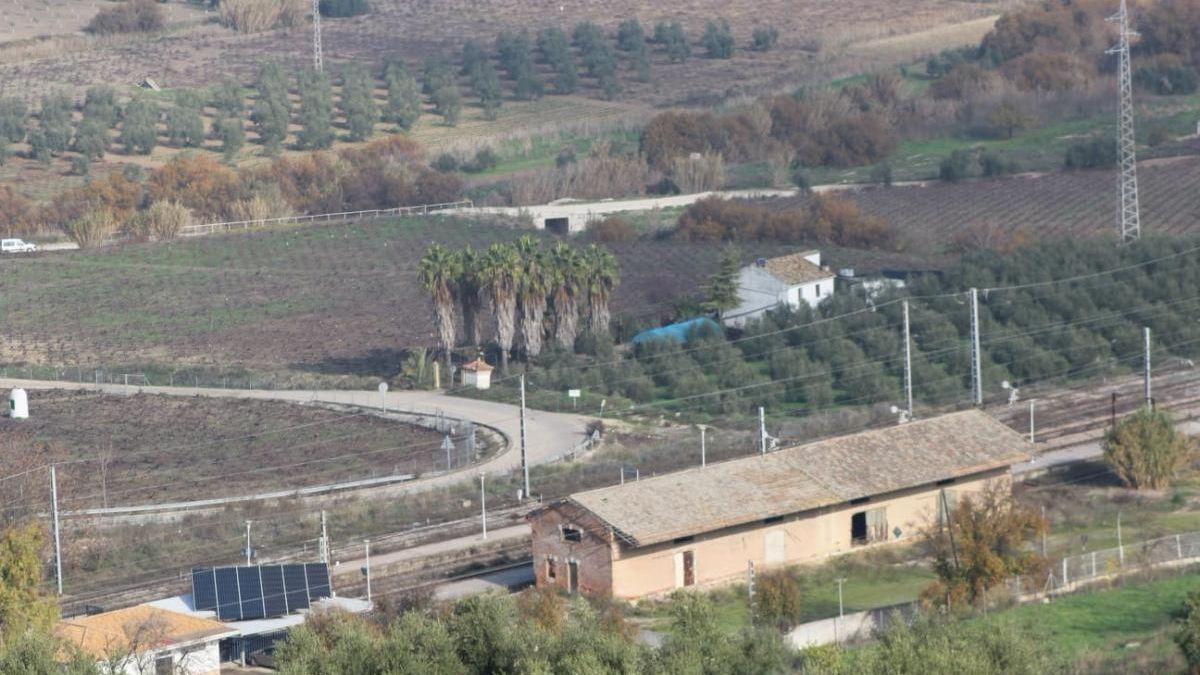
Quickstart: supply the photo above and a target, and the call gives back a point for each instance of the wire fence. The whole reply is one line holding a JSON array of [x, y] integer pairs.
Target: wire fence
[[419, 210], [1110, 562]]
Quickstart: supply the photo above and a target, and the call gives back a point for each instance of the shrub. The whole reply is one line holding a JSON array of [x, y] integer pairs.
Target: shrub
[[316, 111], [485, 159], [1187, 636], [698, 172], [12, 119], [404, 100], [17, 213], [255, 16], [91, 139], [777, 600], [674, 41], [1094, 154], [1168, 75], [358, 103], [139, 127], [92, 228], [197, 182], [165, 220], [718, 40], [956, 167], [556, 51], [610, 230], [447, 102], [882, 174], [1157, 135], [227, 98], [1146, 450], [992, 165], [765, 38], [445, 162], [336, 9], [232, 135], [133, 16]]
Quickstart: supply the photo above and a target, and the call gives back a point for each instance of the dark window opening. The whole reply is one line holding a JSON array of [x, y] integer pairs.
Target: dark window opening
[[683, 540], [772, 520], [946, 481], [164, 665], [558, 225], [689, 568], [572, 534], [573, 576], [858, 528], [860, 500], [551, 573]]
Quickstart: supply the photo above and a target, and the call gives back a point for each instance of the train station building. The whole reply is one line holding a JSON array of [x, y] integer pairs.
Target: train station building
[[709, 525]]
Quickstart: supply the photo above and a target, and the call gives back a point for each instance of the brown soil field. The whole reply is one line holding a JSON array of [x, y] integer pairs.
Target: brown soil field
[[941, 218], [323, 299], [143, 449]]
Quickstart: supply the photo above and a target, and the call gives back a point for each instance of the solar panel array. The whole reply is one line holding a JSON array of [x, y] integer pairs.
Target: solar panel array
[[258, 592]]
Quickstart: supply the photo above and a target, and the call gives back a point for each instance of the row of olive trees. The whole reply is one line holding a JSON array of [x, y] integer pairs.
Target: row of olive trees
[[525, 284]]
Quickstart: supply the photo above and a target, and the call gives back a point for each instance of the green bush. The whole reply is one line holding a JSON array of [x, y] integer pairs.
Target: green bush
[[718, 40], [777, 600], [134, 16], [1097, 153], [765, 38]]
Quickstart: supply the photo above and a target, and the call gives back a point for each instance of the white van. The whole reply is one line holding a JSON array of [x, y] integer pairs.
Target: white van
[[16, 246]]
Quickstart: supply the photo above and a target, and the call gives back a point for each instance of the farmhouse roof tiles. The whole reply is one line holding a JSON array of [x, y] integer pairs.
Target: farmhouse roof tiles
[[805, 477], [141, 628], [796, 269]]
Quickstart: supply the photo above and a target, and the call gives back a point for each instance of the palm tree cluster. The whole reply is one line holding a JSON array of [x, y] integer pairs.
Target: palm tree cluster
[[534, 294]]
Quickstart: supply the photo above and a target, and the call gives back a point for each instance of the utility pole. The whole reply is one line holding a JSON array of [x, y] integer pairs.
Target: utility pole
[[318, 57], [1120, 543], [1129, 215], [762, 431], [841, 610], [908, 397], [976, 368], [703, 450], [57, 539], [1146, 377], [1031, 425], [367, 547], [247, 543], [324, 543], [524, 460], [482, 505]]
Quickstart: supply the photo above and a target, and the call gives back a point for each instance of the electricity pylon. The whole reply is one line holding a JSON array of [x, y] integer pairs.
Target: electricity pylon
[[318, 58], [1130, 218]]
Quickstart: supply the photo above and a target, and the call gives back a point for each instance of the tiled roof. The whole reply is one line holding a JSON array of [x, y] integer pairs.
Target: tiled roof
[[805, 477], [796, 269], [141, 627]]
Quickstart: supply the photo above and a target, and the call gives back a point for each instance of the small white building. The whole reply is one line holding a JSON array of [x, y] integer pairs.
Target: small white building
[[145, 639], [477, 374], [787, 280]]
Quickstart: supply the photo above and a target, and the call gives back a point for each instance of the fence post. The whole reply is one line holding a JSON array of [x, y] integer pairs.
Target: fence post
[[1178, 547], [1064, 572], [1093, 563]]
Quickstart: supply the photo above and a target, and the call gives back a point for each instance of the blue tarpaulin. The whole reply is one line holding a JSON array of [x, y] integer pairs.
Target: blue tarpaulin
[[679, 333]]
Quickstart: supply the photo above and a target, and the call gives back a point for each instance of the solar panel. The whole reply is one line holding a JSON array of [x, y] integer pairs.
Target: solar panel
[[258, 592], [272, 587], [318, 580], [250, 588], [295, 587], [204, 589], [228, 594]]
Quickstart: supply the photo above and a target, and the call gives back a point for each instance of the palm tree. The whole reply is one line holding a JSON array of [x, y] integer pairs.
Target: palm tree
[[469, 286], [566, 283], [601, 276], [439, 269], [531, 293], [501, 275]]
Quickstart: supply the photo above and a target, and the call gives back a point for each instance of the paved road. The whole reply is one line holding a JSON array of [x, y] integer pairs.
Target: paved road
[[548, 435], [1081, 452], [347, 567]]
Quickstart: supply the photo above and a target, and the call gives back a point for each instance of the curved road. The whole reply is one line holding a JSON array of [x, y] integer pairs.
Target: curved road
[[548, 435]]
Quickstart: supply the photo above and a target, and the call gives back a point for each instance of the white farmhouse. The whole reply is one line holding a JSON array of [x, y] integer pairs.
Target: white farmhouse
[[786, 280]]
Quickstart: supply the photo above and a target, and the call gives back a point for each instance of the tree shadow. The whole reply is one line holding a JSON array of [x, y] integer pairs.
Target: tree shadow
[[385, 363]]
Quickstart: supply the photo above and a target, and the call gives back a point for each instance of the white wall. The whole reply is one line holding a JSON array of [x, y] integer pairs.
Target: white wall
[[204, 659], [760, 291]]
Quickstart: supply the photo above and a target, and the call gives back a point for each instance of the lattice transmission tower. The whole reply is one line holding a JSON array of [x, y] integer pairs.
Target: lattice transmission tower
[[318, 57], [1129, 215]]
